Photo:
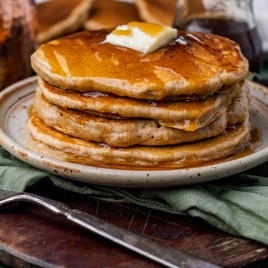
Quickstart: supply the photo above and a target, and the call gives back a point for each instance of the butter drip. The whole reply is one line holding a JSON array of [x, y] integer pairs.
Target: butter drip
[[143, 37]]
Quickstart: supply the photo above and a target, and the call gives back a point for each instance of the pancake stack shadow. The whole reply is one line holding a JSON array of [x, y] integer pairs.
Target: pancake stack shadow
[[97, 104]]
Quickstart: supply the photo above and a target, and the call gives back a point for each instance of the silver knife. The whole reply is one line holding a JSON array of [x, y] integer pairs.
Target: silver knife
[[156, 251]]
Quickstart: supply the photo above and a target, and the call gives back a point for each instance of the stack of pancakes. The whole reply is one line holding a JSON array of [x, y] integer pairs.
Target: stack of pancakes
[[184, 104]]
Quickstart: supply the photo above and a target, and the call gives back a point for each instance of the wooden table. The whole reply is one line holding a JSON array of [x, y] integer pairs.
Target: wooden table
[[31, 236]]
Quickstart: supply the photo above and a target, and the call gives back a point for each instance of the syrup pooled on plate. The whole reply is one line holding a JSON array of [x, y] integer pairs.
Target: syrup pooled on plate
[[246, 149]]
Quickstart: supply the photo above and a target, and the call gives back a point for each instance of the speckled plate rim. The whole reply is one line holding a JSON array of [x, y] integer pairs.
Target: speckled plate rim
[[123, 178]]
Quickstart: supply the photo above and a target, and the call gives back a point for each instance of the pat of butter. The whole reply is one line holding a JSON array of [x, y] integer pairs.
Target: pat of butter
[[143, 37]]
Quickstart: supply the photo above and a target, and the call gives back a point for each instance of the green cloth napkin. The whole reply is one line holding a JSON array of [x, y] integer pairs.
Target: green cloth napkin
[[237, 205]]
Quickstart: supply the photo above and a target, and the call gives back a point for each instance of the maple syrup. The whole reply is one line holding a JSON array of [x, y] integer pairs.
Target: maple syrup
[[151, 29]]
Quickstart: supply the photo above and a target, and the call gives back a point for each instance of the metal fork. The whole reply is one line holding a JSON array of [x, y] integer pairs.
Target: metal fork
[[158, 252]]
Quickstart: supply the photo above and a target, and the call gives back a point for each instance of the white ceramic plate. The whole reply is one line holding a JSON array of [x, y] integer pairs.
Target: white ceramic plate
[[14, 103]]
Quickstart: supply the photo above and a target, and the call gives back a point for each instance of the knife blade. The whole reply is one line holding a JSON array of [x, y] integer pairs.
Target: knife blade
[[161, 253]]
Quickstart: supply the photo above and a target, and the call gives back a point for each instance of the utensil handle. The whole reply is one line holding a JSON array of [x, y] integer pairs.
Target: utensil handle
[[158, 252]]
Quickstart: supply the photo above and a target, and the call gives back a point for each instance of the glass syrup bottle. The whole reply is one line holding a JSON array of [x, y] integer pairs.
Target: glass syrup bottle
[[233, 19]]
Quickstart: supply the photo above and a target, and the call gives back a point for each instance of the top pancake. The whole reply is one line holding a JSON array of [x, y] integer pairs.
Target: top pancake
[[196, 64]]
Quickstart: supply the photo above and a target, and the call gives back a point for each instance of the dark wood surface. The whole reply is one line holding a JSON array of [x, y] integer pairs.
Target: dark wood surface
[[31, 236]]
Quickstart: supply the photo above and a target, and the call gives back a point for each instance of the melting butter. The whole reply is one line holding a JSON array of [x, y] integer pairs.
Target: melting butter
[[140, 36]]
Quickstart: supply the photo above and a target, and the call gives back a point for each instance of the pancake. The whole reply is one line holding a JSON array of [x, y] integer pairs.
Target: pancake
[[184, 114], [201, 64], [107, 14], [128, 132], [59, 17], [99, 104], [52, 143], [157, 11]]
